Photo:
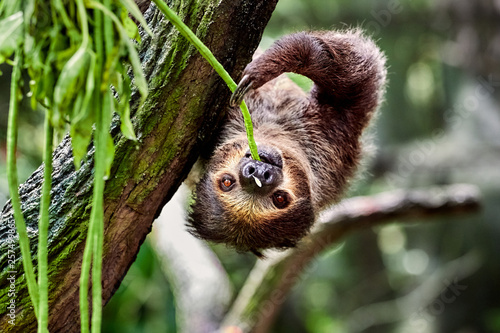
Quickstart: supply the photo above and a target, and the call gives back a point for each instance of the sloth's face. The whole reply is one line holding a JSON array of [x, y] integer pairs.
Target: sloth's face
[[250, 204]]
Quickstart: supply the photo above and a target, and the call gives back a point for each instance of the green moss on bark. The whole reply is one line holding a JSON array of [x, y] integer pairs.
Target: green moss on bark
[[186, 100]]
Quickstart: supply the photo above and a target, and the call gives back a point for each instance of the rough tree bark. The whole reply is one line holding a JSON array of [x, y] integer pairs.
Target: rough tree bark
[[185, 104]]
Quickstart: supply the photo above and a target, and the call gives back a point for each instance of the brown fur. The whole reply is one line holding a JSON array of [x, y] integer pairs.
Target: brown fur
[[316, 135]]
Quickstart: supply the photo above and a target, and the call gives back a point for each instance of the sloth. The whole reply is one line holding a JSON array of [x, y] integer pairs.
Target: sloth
[[309, 144]]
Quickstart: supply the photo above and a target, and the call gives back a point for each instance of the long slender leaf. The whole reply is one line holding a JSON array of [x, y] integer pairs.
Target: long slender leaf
[[139, 79], [43, 226], [132, 8], [13, 183], [11, 35], [70, 80]]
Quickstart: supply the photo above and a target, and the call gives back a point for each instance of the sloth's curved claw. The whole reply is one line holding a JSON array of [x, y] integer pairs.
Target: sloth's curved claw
[[243, 87]]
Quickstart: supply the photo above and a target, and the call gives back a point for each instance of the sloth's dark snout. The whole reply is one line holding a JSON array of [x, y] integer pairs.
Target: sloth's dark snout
[[257, 176], [261, 176]]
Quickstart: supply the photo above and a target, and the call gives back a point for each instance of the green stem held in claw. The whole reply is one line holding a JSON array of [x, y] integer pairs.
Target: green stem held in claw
[[208, 55], [24, 242]]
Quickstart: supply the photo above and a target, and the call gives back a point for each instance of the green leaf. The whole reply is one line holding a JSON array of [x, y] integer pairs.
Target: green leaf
[[61, 57], [110, 154], [8, 8], [37, 71], [131, 28], [69, 82], [139, 79], [80, 139], [89, 91], [47, 82], [11, 35], [126, 125], [122, 106], [80, 130], [132, 8], [83, 116], [60, 9], [111, 68]]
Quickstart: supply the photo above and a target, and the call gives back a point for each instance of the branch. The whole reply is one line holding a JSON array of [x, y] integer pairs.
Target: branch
[[412, 307], [270, 281], [186, 101]]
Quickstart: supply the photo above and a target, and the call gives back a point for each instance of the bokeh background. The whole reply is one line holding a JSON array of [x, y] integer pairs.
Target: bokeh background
[[440, 124]]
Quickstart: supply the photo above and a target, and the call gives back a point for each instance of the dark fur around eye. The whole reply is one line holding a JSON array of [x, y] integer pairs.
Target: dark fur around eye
[[281, 199], [226, 183]]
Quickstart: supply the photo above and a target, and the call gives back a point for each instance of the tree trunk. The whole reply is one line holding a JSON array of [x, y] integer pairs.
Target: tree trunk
[[181, 113]]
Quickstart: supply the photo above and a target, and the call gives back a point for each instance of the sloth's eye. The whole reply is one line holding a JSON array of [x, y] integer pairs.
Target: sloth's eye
[[281, 199], [226, 183]]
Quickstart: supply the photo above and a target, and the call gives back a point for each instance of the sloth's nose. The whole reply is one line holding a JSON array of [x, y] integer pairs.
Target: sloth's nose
[[257, 176]]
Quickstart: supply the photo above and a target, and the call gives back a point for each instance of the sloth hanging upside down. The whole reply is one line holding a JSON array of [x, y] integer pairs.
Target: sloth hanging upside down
[[309, 144]]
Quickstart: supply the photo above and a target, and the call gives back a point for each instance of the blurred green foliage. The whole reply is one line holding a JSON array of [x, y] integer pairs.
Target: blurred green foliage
[[440, 124], [144, 302]]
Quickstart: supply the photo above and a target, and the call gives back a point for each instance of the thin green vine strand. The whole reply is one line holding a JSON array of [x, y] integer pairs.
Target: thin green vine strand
[[43, 227], [208, 55], [87, 252], [102, 128], [24, 242]]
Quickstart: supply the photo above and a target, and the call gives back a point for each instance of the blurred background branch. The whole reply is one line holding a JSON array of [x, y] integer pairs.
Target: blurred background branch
[[271, 280], [441, 287]]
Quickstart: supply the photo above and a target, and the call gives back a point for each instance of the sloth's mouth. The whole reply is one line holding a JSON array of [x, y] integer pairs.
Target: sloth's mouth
[[268, 155]]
